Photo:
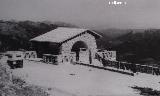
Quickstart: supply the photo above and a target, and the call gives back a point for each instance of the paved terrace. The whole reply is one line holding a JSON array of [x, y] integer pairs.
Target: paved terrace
[[77, 80]]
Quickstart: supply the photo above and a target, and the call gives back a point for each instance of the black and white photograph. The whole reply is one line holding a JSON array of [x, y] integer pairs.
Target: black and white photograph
[[79, 47]]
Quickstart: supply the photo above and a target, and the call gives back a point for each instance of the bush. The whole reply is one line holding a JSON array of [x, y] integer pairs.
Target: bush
[[147, 91], [5, 73], [15, 86]]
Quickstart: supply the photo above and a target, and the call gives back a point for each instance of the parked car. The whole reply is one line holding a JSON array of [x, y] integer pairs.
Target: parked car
[[15, 59]]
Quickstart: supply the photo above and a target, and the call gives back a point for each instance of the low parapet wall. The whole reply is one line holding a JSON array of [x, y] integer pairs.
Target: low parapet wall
[[30, 54], [129, 66]]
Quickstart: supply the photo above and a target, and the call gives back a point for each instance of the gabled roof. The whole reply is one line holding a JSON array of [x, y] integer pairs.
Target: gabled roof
[[62, 34]]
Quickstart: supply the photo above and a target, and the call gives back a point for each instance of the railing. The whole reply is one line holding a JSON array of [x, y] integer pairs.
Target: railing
[[129, 66]]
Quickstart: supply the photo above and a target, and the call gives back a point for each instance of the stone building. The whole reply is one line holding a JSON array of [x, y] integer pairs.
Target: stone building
[[67, 43]]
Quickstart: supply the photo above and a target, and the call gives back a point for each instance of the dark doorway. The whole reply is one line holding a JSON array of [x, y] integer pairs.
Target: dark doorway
[[76, 48]]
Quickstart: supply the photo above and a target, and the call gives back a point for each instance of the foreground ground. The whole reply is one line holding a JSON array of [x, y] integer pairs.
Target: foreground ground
[[77, 80]]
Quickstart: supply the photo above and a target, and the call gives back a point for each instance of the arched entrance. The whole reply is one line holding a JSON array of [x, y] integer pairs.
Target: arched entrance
[[83, 53]]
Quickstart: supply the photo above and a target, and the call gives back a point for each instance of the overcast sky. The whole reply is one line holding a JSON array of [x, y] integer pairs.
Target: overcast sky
[[88, 13]]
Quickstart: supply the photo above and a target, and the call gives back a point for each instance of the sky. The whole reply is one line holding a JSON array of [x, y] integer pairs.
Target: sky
[[86, 13]]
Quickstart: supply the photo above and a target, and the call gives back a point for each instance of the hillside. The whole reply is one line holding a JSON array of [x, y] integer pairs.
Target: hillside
[[16, 34], [114, 33], [139, 47]]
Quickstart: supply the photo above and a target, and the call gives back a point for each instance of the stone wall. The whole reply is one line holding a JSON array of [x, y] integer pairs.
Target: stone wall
[[87, 38]]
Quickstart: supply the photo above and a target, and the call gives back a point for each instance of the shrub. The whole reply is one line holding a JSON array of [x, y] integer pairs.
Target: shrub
[[15, 86], [147, 91]]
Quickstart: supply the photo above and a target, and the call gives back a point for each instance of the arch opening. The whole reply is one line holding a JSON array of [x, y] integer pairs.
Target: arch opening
[[81, 50], [77, 48]]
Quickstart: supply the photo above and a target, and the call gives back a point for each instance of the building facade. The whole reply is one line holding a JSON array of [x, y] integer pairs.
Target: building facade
[[70, 44]]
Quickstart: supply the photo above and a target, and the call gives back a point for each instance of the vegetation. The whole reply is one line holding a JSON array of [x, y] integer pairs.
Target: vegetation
[[140, 47], [136, 45], [14, 86], [14, 35], [147, 91]]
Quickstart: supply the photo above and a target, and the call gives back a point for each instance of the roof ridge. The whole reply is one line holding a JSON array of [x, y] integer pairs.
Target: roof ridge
[[61, 34]]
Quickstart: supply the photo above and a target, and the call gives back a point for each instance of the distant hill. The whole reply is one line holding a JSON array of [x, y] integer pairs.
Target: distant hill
[[133, 45], [15, 34], [113, 33], [142, 45]]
